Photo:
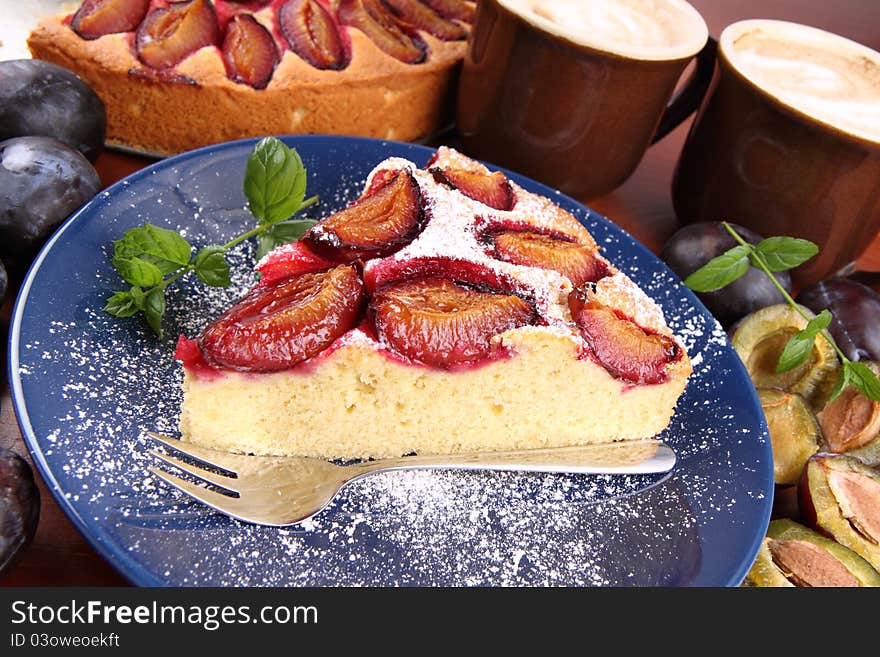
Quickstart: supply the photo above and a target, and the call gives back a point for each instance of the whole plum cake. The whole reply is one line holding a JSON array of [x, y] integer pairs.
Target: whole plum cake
[[178, 75], [445, 310]]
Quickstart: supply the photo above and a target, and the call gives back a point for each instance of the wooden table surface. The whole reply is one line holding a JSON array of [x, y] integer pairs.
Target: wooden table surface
[[60, 556]]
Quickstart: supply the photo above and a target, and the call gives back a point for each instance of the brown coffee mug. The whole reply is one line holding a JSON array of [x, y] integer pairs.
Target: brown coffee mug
[[782, 146], [572, 103]]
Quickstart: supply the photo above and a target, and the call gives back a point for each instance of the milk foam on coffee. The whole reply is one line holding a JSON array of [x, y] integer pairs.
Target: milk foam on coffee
[[644, 29], [825, 76]]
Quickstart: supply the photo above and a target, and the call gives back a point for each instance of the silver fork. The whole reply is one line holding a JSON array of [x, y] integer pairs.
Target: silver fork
[[281, 491]]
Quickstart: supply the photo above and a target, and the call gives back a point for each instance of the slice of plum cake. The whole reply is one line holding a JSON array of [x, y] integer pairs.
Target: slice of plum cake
[[446, 310]]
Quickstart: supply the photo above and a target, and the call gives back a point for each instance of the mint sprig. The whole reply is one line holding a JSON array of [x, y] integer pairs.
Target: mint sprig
[[149, 258], [274, 181], [720, 271], [797, 349], [780, 254]]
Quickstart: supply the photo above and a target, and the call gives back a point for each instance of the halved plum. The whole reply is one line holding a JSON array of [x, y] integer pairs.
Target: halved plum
[[289, 260], [624, 349], [376, 225], [492, 189], [794, 433], [457, 9], [378, 180], [95, 18], [577, 262], [794, 555], [249, 52], [378, 273], [276, 326], [840, 496], [759, 340], [437, 322], [170, 34], [851, 424], [373, 19], [313, 34], [422, 17]]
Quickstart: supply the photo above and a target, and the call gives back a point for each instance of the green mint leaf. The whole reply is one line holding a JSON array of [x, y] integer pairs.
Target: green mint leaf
[[842, 383], [154, 309], [121, 304], [265, 243], [291, 231], [720, 271], [783, 253], [864, 379], [818, 323], [138, 297], [211, 266], [274, 181], [297, 187], [150, 257], [821, 321], [137, 271], [282, 233], [798, 348], [797, 351], [160, 246]]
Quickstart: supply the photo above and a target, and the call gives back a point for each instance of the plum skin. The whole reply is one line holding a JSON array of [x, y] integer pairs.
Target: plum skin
[[856, 311], [38, 98], [4, 281], [693, 245], [42, 181], [19, 506]]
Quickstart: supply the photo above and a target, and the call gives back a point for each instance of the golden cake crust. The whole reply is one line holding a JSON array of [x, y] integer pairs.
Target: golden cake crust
[[374, 96]]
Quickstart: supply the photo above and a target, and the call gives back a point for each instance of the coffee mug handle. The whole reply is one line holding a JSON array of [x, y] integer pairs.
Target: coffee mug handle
[[688, 99]]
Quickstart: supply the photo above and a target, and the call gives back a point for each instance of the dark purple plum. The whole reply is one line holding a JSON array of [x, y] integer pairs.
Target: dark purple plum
[[4, 280], [19, 506], [694, 245], [856, 311], [43, 99], [42, 181]]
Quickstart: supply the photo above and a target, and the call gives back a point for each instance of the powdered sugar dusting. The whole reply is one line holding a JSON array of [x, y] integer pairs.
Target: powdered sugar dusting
[[453, 230], [620, 292], [91, 386]]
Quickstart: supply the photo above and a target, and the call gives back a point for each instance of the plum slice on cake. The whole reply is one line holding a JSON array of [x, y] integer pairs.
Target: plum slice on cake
[[446, 310]]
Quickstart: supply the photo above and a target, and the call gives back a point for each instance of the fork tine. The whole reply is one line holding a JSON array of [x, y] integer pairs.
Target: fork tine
[[211, 477], [215, 457], [218, 501], [230, 506]]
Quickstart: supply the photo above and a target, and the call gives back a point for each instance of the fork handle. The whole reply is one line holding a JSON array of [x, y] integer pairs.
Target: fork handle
[[626, 457]]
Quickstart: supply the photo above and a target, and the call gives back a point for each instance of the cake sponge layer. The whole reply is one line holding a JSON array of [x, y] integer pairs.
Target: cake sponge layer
[[357, 401]]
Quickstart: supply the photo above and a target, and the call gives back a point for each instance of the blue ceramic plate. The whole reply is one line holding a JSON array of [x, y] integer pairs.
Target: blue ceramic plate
[[87, 386]]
